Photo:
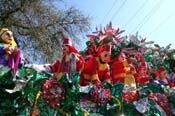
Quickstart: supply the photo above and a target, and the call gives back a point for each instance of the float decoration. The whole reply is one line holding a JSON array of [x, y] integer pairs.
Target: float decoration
[[23, 97]]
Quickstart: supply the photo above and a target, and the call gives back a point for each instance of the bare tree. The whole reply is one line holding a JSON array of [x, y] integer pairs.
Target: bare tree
[[39, 26]]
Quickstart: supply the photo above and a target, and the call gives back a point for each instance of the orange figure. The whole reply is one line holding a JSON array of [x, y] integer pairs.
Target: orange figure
[[96, 69], [122, 71], [141, 75], [70, 63]]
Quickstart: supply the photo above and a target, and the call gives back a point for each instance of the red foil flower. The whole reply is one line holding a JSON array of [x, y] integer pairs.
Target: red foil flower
[[99, 94], [130, 96], [54, 92]]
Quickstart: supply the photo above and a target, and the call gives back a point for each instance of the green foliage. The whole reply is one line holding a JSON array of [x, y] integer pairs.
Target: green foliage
[[71, 104], [153, 111], [6, 80], [21, 101], [171, 100]]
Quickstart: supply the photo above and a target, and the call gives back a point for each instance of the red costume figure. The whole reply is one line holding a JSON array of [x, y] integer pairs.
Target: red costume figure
[[70, 63], [123, 71], [96, 69], [141, 75], [162, 76], [118, 71]]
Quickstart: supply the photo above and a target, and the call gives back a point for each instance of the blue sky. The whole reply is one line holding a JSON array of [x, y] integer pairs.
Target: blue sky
[[153, 19]]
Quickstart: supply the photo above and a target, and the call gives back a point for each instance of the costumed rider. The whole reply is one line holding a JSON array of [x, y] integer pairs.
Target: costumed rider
[[10, 55], [142, 73], [70, 63], [123, 71], [96, 69], [161, 77]]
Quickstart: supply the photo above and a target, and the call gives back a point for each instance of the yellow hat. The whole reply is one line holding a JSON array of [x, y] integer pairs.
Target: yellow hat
[[3, 30]]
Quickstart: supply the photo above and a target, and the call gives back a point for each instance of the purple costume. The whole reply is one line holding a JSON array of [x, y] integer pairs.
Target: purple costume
[[3, 56], [13, 61]]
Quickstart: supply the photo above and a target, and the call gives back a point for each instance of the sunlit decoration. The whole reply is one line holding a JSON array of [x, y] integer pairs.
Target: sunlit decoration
[[134, 39], [139, 43], [129, 94], [110, 35], [87, 104], [99, 94], [54, 92], [142, 105], [103, 37]]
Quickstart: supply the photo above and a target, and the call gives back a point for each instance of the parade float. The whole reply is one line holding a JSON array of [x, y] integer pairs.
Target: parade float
[[35, 92]]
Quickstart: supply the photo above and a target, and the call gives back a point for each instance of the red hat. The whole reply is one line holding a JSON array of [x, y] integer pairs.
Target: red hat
[[161, 69], [104, 48], [73, 49], [67, 41], [107, 48]]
